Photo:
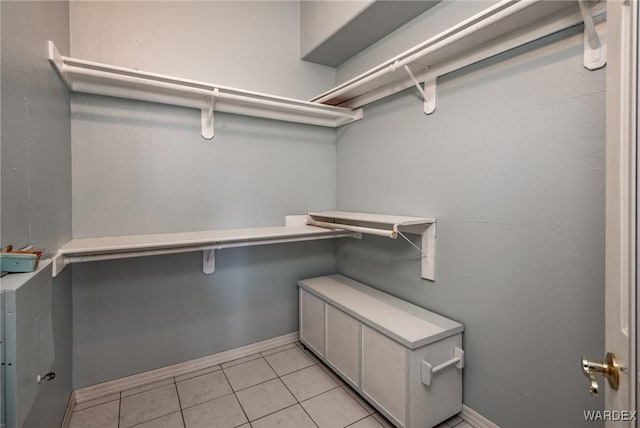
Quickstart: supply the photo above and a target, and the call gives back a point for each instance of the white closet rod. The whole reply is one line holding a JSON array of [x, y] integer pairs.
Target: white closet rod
[[476, 23], [103, 79], [380, 232], [131, 254], [201, 95], [108, 77]]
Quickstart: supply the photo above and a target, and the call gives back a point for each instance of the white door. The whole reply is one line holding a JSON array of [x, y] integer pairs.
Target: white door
[[621, 220]]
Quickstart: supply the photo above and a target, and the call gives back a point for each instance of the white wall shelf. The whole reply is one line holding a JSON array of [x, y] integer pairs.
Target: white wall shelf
[[497, 29], [314, 226], [390, 226], [102, 79], [118, 247]]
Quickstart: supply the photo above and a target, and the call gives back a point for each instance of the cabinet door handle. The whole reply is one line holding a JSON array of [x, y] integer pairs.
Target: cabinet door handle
[[427, 370], [48, 376]]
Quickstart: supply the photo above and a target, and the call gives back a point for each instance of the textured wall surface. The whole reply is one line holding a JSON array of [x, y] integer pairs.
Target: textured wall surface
[[144, 168], [36, 168], [512, 166], [36, 154], [321, 20], [253, 45]]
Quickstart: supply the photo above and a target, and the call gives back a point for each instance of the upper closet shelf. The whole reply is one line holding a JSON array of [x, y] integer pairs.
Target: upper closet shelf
[[102, 79], [118, 247], [497, 29], [389, 226]]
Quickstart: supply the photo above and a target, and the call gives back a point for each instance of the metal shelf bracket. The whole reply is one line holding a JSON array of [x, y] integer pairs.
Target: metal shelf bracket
[[378, 224], [428, 247], [59, 262], [429, 91], [595, 42], [207, 116], [209, 261]]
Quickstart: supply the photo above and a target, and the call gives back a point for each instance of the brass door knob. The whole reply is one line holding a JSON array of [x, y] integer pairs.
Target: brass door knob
[[608, 368]]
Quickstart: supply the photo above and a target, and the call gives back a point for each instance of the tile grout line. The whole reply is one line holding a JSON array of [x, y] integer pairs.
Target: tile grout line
[[298, 402], [269, 380], [273, 413], [297, 345], [362, 419], [307, 413], [236, 397], [251, 386], [286, 387], [151, 420], [292, 394], [322, 365], [345, 386], [296, 370], [309, 398], [150, 389], [238, 359], [274, 353], [175, 384], [384, 419], [183, 378], [159, 416], [319, 394], [96, 405], [207, 401]]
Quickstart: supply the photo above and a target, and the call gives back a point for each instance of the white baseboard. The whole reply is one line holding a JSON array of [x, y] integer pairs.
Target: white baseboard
[[475, 419], [67, 413], [96, 391]]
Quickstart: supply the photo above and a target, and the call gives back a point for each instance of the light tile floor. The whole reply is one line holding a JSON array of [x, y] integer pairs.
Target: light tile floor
[[284, 387]]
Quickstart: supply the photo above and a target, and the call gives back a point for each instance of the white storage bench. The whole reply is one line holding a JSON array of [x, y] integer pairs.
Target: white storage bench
[[406, 361]]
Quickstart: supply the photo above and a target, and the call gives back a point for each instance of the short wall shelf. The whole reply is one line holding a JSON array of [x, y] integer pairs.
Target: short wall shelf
[[102, 79], [390, 226], [501, 27], [311, 227], [118, 247]]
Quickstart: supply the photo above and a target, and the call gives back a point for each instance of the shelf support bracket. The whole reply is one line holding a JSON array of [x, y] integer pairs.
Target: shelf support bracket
[[209, 261], [595, 47], [429, 91], [59, 262], [428, 247], [207, 116]]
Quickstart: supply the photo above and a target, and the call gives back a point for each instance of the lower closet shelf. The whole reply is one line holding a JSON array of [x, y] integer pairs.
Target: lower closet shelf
[[118, 247], [406, 361]]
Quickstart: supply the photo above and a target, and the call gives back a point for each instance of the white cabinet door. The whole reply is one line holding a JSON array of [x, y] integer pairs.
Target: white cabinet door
[[384, 373], [343, 344], [312, 321]]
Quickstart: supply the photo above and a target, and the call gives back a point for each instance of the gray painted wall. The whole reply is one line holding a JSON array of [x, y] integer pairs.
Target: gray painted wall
[[319, 20], [437, 19], [51, 402], [512, 166], [252, 45], [332, 32], [36, 156], [144, 168], [134, 315], [36, 167]]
